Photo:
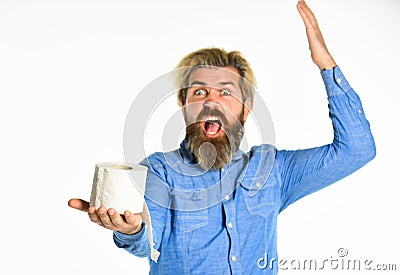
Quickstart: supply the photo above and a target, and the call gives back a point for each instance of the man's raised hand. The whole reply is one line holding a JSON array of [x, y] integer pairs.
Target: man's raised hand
[[319, 52]]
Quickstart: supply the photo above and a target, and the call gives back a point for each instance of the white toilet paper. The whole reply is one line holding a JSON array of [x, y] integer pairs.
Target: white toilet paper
[[121, 186]]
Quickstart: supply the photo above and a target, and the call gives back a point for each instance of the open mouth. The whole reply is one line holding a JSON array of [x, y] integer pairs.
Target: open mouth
[[212, 126]]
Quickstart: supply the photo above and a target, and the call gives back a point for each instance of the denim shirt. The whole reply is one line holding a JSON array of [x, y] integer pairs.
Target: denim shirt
[[224, 221]]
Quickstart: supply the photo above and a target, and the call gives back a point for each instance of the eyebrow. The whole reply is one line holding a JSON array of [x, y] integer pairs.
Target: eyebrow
[[200, 83], [227, 83]]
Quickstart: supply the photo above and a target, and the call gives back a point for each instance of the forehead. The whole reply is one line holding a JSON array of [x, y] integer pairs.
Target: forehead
[[214, 75]]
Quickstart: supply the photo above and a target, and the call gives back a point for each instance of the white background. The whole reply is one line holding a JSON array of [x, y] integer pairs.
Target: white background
[[69, 71]]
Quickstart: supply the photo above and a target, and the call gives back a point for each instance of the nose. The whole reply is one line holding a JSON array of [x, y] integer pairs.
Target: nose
[[211, 104], [212, 99]]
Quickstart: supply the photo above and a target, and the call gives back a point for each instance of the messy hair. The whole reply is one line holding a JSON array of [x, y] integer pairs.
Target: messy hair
[[216, 57]]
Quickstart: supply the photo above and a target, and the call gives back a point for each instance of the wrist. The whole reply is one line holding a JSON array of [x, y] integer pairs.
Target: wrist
[[327, 64], [134, 231]]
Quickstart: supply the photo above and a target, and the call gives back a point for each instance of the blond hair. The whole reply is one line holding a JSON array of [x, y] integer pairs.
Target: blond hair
[[216, 57]]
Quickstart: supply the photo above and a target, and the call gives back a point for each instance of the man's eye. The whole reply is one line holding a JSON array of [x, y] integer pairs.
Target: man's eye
[[225, 92], [200, 92]]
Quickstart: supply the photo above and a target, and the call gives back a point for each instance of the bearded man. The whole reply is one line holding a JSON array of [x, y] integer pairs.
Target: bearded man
[[214, 207]]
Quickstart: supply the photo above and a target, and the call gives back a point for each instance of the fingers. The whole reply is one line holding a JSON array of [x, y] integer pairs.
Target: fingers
[[133, 222], [307, 15], [128, 224], [116, 219], [79, 204], [94, 215], [319, 52], [130, 218], [111, 219], [102, 217], [105, 217]]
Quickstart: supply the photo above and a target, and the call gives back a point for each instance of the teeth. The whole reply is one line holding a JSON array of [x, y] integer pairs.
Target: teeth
[[211, 118]]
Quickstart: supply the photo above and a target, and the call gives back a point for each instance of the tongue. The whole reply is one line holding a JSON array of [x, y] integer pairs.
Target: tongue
[[212, 128]]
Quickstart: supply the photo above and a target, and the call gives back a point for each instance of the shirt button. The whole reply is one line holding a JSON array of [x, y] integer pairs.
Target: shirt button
[[258, 185], [227, 198], [230, 225], [339, 80], [359, 111], [233, 259], [222, 169]]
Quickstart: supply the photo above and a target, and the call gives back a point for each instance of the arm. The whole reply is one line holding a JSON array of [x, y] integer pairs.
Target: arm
[[157, 200], [306, 171]]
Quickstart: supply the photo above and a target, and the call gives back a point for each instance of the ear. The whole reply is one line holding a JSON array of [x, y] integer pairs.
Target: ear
[[247, 109]]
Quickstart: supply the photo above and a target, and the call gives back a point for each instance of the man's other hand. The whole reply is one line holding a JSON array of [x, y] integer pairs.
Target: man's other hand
[[128, 223]]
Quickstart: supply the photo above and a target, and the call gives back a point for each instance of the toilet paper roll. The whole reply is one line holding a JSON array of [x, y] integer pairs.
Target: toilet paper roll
[[120, 186]]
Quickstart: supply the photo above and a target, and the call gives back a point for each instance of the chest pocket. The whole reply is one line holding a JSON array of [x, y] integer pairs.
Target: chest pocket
[[189, 220], [260, 195]]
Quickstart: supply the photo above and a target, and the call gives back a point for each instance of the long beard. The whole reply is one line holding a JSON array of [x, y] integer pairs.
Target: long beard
[[214, 153]]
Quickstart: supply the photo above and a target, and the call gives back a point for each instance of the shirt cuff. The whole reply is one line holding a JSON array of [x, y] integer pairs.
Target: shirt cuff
[[127, 238], [335, 82]]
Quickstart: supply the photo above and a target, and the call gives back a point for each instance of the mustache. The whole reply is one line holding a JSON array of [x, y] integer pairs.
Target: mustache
[[207, 111]]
